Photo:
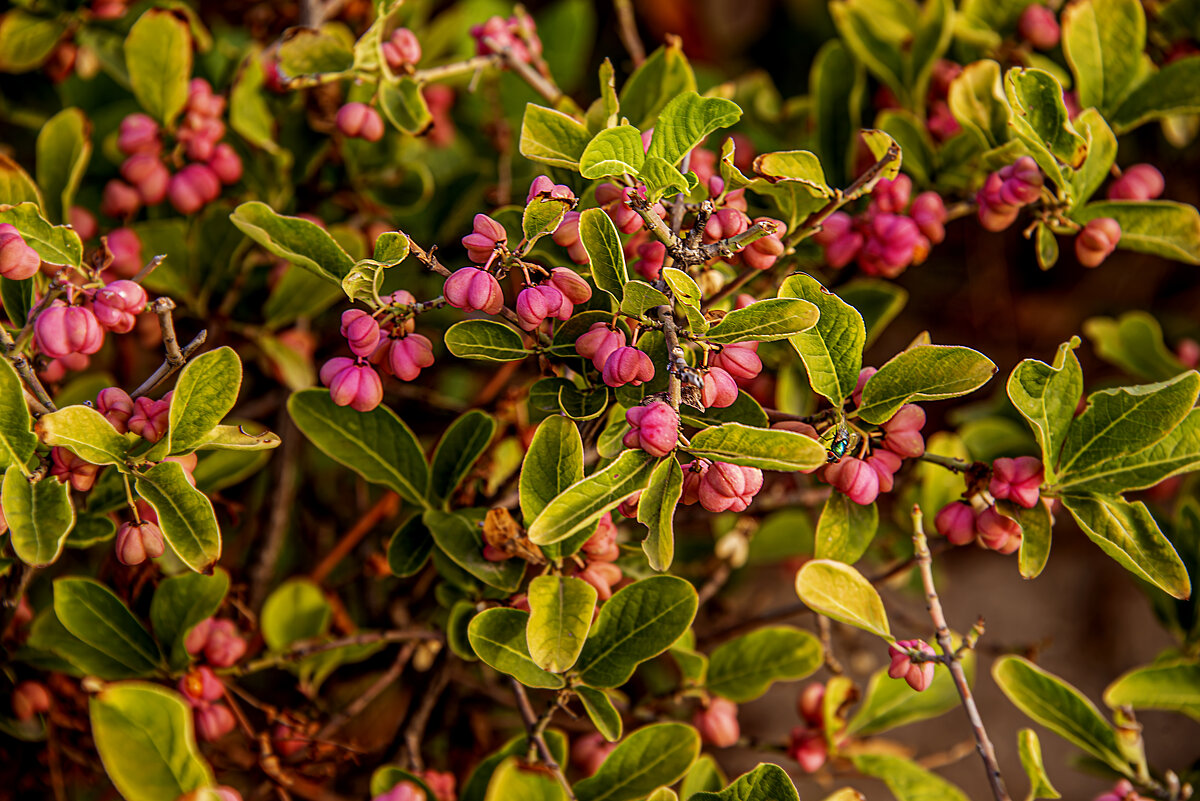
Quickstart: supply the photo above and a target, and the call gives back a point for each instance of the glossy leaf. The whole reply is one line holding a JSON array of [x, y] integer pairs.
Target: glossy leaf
[[39, 515], [663, 75], [403, 103], [1133, 342], [651, 757], [767, 782], [514, 779], [845, 529], [295, 610], [840, 592], [17, 440], [1174, 89], [767, 449], [924, 372], [308, 51], [906, 779], [662, 179], [613, 152], [578, 508], [1103, 41], [475, 788], [1029, 748], [485, 340], [743, 668], [299, 241], [656, 511], [832, 349], [601, 712], [185, 515], [1101, 153], [56, 244], [1039, 116], [158, 56], [1172, 686], [560, 614], [1177, 452], [603, 246], [461, 539], [704, 776], [409, 548], [551, 137], [686, 120], [639, 299], [1047, 395], [498, 637], [459, 448], [542, 216], [86, 433], [179, 603], [26, 40], [64, 147], [765, 321], [206, 391], [94, 614]]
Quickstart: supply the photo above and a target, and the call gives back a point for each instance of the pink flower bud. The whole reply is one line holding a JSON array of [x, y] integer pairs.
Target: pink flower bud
[[718, 723], [725, 223], [885, 463], [693, 474], [893, 243], [472, 289], [627, 365], [226, 164], [30, 698], [994, 213], [808, 748], [1039, 27], [150, 418], [403, 791], [902, 433], [651, 258], [941, 123], [1022, 182], [729, 487], [485, 236], [402, 49], [360, 121], [83, 221], [213, 722], [224, 646], [138, 541], [536, 303], [18, 260], [854, 478], [997, 532], [361, 331], [146, 173], [1018, 480], [126, 250], [603, 576], [761, 254], [117, 305], [917, 674], [138, 134], [1139, 182], [441, 783], [202, 100], [197, 637], [567, 236], [1097, 240], [67, 467], [409, 355], [356, 385], [1188, 352], [956, 522], [201, 686], [1122, 791], [720, 390], [116, 406], [62, 330], [653, 428], [929, 213], [119, 200], [739, 360], [891, 196], [571, 285], [809, 703], [589, 752], [544, 187], [629, 506], [599, 342], [193, 187], [602, 545]]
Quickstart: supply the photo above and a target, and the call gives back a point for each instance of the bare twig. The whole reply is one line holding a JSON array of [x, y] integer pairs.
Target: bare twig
[[414, 732], [825, 632], [387, 505], [168, 367], [533, 730], [445, 71], [282, 508], [948, 462], [304, 648], [385, 680], [627, 27], [538, 82]]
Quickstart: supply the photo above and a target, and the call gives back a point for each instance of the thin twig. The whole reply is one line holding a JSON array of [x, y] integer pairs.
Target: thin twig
[[282, 508], [540, 84], [539, 741], [168, 368], [385, 680], [387, 505], [414, 732], [825, 632], [24, 369], [983, 744], [627, 27], [948, 462], [304, 648]]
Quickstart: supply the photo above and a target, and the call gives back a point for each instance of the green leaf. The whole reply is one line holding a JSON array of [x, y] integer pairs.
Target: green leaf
[[409, 547], [639, 622], [765, 321], [1103, 41], [206, 392], [513, 779], [613, 152], [551, 137], [476, 784], [64, 147], [1035, 536], [888, 704], [1039, 116], [158, 57], [1058, 706], [17, 297], [560, 614], [743, 668], [1133, 342], [1046, 396], [143, 733], [662, 179], [498, 636], [1169, 91], [915, 142], [295, 610], [237, 438], [17, 440], [307, 51], [837, 85], [845, 529], [907, 780], [767, 782], [656, 511], [553, 462], [1101, 153], [86, 433], [921, 373], [179, 603], [840, 592], [404, 106], [640, 299], [1127, 533], [485, 340], [1161, 227], [387, 777], [1173, 686], [663, 75], [185, 515], [462, 540], [90, 530], [39, 516], [1046, 246], [651, 757], [542, 216], [880, 144], [704, 776], [16, 187], [94, 614], [603, 246], [297, 240], [832, 350], [600, 710], [1123, 420], [56, 244], [977, 100], [744, 410], [26, 40], [249, 113], [1029, 748], [686, 120], [767, 449], [577, 508], [1175, 453], [376, 444], [48, 634], [459, 448]]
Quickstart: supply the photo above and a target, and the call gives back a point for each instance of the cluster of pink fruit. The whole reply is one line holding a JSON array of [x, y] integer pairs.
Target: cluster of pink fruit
[[807, 744], [1122, 791], [68, 332], [517, 34], [18, 259], [976, 519], [148, 179], [401, 51], [221, 645], [893, 233]]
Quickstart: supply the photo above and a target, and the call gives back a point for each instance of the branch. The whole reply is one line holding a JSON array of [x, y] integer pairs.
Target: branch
[[533, 731], [282, 506], [168, 368], [387, 505], [544, 87], [304, 648], [414, 732], [385, 680], [984, 745], [25, 370], [627, 28], [948, 462], [841, 197]]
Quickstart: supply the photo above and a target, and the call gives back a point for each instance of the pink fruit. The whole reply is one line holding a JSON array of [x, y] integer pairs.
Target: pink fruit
[[1039, 27], [117, 305], [761, 254], [651, 258], [739, 360], [119, 200], [956, 522], [808, 748], [62, 330], [719, 390], [138, 134], [224, 646], [69, 468], [472, 289], [213, 722], [361, 331], [354, 384], [409, 355], [589, 752], [1138, 182], [402, 49], [627, 365], [693, 474], [854, 478], [18, 260], [360, 121], [150, 418], [146, 173], [717, 723], [891, 196], [138, 541], [1097, 240], [536, 303], [809, 703], [1022, 182], [917, 674], [126, 250], [598, 343], [997, 532], [603, 576], [193, 187], [1018, 480], [544, 187], [567, 236], [83, 221], [602, 545], [116, 406], [929, 213], [653, 428], [226, 164], [728, 488], [571, 285], [30, 698], [485, 236], [902, 433]]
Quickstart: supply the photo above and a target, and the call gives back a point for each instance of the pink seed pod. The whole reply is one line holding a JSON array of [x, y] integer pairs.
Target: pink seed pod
[[599, 342], [116, 406], [1097, 240], [1187, 351], [30, 698], [917, 674], [928, 211], [202, 100], [119, 200], [693, 474], [193, 187], [729, 487], [1138, 182], [994, 213], [226, 164], [718, 723], [493, 554], [613, 199], [997, 532], [536, 303], [739, 360], [840, 240], [1038, 26], [761, 254], [544, 187], [602, 545], [567, 236], [1121, 791], [627, 365], [629, 507], [83, 221], [409, 355], [885, 463], [356, 385], [485, 236], [1022, 182], [138, 134], [146, 173], [808, 748], [197, 637], [724, 224], [137, 542], [571, 285], [893, 242], [18, 260], [891, 197], [653, 428], [1018, 480], [62, 330], [213, 722], [809, 703], [855, 479], [603, 576], [361, 331], [403, 791], [150, 418], [941, 123], [225, 646], [402, 49], [589, 752], [720, 390], [117, 305], [796, 427], [651, 258], [69, 468], [473, 289], [902, 433], [360, 121], [956, 522], [126, 249], [289, 741], [441, 783]]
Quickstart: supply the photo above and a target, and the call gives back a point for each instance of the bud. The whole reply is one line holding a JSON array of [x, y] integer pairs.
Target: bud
[[956, 522], [18, 260], [224, 646], [201, 686], [150, 418], [360, 121], [653, 428], [137, 542], [918, 674], [116, 406], [728, 488], [599, 342], [1097, 240], [614, 200], [117, 305], [126, 250], [226, 164], [536, 303], [355, 384], [441, 783], [602, 545], [997, 532], [472, 289], [30, 698], [138, 134], [809, 704], [1038, 26], [485, 236], [627, 365], [571, 285], [891, 196], [361, 331], [808, 748], [67, 467], [213, 722], [720, 390], [62, 330], [402, 791], [409, 355], [1022, 182], [761, 254], [402, 49], [1018, 480], [567, 236], [193, 187], [739, 360], [902, 433], [119, 200], [1139, 182], [146, 173], [651, 258], [929, 213], [602, 576], [544, 187], [718, 723]]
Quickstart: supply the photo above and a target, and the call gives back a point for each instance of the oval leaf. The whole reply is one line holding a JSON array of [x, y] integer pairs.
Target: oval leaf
[[40, 516], [485, 340], [560, 614], [767, 449], [742, 669], [649, 758], [840, 592], [925, 372], [206, 392], [91, 612], [577, 509], [498, 637]]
